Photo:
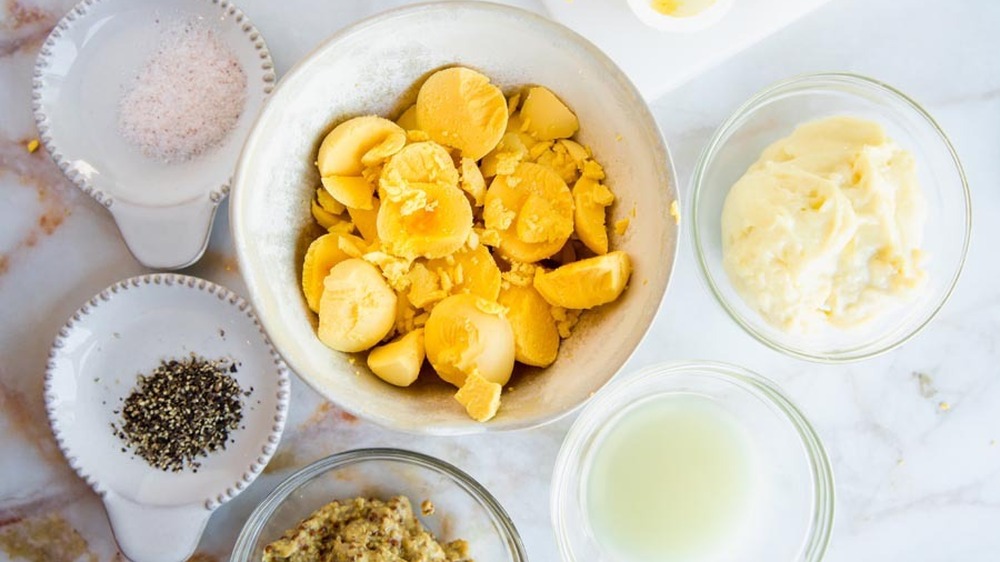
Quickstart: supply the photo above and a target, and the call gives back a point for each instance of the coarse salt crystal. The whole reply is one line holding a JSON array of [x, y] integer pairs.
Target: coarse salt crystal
[[186, 97]]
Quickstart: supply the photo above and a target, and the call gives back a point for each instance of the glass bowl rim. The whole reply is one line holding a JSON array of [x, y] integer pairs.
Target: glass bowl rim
[[255, 522], [729, 126], [606, 405]]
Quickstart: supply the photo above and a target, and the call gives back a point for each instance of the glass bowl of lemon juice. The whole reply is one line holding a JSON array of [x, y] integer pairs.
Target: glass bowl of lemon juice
[[700, 462]]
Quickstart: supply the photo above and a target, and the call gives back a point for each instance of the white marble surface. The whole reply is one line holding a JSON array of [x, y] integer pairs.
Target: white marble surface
[[917, 465]]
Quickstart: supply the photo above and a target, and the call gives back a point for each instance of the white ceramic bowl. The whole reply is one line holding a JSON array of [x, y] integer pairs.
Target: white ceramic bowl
[[164, 211], [372, 67]]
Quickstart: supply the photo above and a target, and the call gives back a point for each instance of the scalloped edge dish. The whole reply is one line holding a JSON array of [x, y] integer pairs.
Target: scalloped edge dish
[[151, 524], [74, 97]]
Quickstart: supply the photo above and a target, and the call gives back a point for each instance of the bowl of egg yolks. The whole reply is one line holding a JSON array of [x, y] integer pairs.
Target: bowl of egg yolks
[[287, 173]]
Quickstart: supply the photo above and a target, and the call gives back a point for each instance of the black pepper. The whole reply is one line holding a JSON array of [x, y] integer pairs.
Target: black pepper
[[181, 412]]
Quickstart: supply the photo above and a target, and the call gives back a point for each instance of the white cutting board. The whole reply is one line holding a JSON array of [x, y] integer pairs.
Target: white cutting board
[[655, 60], [658, 61]]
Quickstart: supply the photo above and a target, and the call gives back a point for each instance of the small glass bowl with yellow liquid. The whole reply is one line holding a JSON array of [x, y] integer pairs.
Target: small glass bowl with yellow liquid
[[693, 462]]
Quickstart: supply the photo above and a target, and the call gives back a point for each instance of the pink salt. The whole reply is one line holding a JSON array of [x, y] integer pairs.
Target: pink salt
[[186, 97]]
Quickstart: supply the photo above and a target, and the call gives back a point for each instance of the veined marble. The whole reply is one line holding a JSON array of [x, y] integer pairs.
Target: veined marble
[[913, 435]]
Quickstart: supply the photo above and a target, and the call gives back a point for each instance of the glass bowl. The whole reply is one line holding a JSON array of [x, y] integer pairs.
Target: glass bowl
[[792, 483], [464, 509], [773, 114]]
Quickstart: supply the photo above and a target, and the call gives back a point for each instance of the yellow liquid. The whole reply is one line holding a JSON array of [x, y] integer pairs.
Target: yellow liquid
[[672, 479], [681, 8]]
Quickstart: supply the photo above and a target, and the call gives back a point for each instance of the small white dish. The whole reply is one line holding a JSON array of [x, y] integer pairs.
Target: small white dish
[[164, 211], [703, 14], [124, 331]]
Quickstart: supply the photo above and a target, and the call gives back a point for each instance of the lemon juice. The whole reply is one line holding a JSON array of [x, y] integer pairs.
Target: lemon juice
[[672, 478]]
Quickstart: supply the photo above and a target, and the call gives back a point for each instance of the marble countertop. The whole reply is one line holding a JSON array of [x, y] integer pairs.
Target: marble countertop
[[912, 435]]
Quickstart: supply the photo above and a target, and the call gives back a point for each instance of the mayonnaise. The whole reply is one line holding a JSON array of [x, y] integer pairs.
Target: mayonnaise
[[826, 227]]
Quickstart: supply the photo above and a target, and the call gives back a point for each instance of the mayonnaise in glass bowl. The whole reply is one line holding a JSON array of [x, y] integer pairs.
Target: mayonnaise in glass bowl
[[772, 115]]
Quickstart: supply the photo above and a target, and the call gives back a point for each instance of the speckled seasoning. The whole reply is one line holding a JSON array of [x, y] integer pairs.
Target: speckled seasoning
[[186, 98], [181, 412]]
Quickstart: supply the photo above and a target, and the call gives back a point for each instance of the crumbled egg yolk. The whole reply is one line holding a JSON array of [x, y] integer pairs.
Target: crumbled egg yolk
[[621, 226], [461, 207]]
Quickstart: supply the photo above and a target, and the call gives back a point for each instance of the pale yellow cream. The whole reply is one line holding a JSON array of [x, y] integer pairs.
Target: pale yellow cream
[[826, 227]]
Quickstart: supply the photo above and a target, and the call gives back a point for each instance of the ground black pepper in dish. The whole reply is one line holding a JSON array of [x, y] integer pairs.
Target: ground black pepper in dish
[[181, 412]]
